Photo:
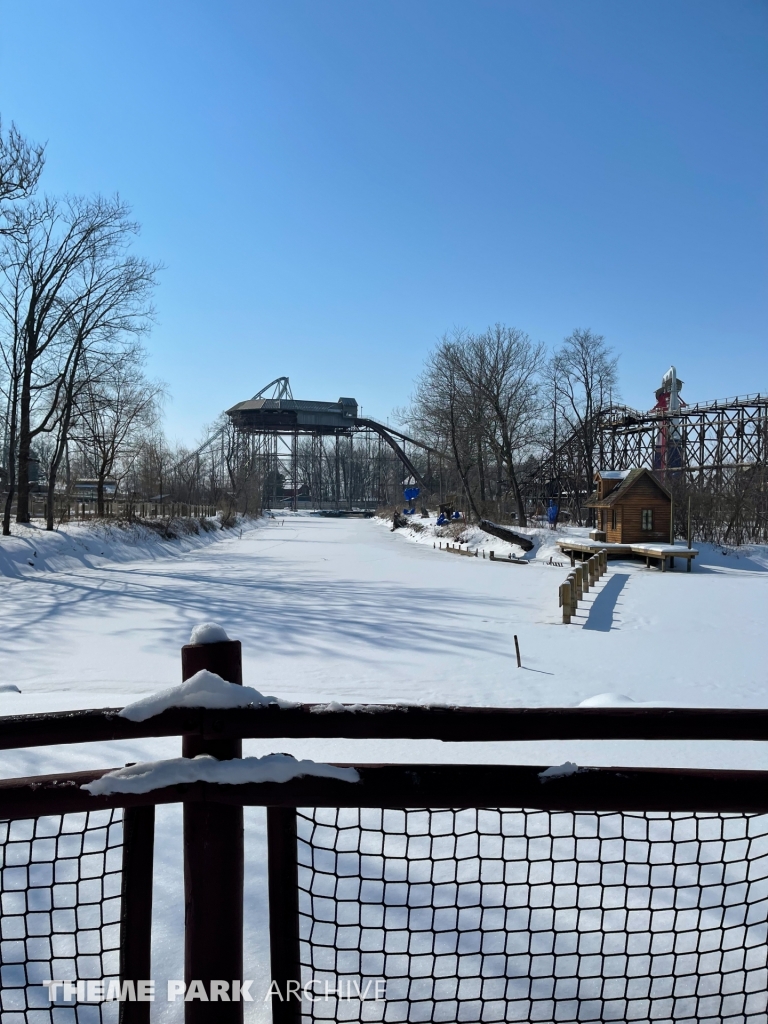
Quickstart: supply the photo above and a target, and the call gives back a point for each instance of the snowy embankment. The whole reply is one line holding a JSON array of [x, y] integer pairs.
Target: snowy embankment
[[545, 548], [32, 549], [467, 535]]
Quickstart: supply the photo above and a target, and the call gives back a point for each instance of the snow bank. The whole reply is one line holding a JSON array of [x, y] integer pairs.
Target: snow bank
[[607, 700], [203, 690], [559, 771], [143, 778], [545, 549], [32, 549], [208, 633], [620, 700]]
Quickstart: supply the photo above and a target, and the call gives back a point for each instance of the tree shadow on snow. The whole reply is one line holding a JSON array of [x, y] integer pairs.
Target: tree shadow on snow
[[300, 612]]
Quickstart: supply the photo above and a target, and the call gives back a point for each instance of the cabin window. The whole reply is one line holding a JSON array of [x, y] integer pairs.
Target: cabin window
[[613, 519], [647, 518]]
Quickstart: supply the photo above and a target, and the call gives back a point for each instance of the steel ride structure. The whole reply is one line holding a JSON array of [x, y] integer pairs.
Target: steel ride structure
[[312, 454], [716, 448]]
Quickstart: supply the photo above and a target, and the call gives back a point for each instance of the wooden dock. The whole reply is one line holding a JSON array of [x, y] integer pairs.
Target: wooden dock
[[649, 550]]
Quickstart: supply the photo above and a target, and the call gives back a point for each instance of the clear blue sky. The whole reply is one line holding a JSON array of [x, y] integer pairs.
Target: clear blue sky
[[332, 184]]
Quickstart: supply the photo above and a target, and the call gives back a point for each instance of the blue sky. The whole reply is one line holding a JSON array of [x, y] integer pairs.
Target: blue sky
[[332, 184]]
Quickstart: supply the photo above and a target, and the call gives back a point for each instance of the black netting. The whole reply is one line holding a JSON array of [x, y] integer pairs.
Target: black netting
[[509, 915], [60, 893]]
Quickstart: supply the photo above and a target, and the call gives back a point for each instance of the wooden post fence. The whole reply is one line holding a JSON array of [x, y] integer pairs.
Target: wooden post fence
[[213, 858]]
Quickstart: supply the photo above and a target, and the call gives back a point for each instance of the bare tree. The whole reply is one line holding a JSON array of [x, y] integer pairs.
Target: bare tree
[[11, 351], [115, 411], [21, 164], [478, 397], [586, 378], [442, 412], [68, 278], [502, 367], [112, 309]]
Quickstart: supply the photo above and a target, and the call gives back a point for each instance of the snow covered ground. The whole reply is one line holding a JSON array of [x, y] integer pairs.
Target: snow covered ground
[[347, 610]]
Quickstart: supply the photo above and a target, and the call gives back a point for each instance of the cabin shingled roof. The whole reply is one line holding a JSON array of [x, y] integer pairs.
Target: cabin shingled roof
[[626, 484]]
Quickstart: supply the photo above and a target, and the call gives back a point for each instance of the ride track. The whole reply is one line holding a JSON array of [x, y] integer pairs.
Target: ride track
[[706, 445], [271, 422]]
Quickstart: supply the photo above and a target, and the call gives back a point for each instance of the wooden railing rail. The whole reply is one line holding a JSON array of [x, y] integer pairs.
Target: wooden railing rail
[[421, 785], [454, 725]]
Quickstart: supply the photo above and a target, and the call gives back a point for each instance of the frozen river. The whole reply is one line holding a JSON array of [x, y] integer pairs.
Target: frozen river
[[349, 611]]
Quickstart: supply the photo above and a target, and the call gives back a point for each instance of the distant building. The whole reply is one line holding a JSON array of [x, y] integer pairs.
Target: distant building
[[631, 505], [88, 490]]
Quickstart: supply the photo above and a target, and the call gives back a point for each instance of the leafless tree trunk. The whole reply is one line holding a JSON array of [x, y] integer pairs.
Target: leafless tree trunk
[[21, 164], [10, 347], [587, 381]]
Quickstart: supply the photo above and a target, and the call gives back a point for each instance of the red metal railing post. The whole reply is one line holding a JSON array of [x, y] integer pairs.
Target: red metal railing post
[[213, 861]]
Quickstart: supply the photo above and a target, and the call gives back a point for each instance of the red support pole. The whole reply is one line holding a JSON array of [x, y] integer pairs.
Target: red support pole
[[213, 861]]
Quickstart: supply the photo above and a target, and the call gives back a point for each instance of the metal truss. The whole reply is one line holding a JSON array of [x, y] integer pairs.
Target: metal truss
[[717, 448], [706, 444]]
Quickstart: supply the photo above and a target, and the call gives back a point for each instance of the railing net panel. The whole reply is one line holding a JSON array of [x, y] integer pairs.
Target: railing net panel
[[525, 915], [60, 893]]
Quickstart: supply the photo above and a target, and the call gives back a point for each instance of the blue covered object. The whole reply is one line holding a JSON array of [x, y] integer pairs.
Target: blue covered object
[[409, 511], [442, 519], [456, 515], [552, 511], [411, 493]]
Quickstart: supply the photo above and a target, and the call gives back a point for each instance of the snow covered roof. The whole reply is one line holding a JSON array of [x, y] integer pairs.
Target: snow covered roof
[[613, 474], [628, 480]]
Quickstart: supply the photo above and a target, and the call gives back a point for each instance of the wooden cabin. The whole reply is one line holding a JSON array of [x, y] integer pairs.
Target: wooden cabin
[[631, 506]]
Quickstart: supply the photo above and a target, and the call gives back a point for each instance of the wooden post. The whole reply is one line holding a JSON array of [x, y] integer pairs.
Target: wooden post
[[517, 652], [492, 557], [136, 907], [284, 947], [565, 601], [574, 598], [585, 577], [579, 577], [573, 558], [213, 859]]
